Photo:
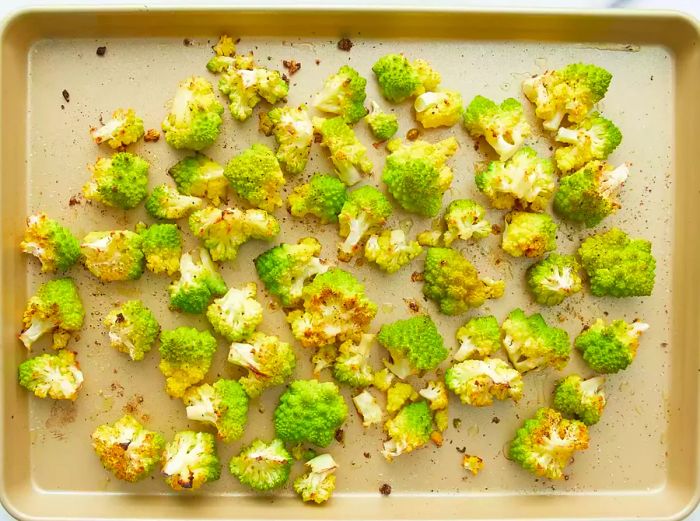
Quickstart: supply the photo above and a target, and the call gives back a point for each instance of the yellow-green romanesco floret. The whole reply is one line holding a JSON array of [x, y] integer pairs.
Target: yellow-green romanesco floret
[[132, 329], [113, 255], [322, 196], [365, 211], [438, 109], [610, 348], [50, 242], [226, 46], [185, 358], [246, 87], [55, 376], [478, 338], [165, 202], [503, 126], [398, 394], [436, 394], [348, 155], [478, 382], [200, 176], [237, 314], [262, 466], [368, 408], [465, 219], [294, 134], [383, 379], [162, 247], [256, 176], [391, 251], [343, 93], [400, 79], [409, 430], [123, 128], [383, 125], [529, 234], [531, 344], [190, 460], [593, 138], [553, 279], [415, 345], [120, 181], [582, 399], [223, 405], [199, 282], [318, 483], [269, 362], [352, 365]]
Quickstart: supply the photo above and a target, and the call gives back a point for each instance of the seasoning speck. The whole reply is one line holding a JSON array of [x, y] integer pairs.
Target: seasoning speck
[[340, 436], [292, 66], [345, 44], [66, 95], [385, 489], [101, 50]]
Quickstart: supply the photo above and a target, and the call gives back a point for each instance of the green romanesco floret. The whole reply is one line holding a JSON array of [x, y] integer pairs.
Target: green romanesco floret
[[553, 279], [127, 449], [610, 348], [120, 181], [123, 128], [165, 202], [194, 120], [318, 483], [545, 444], [310, 411], [593, 138], [162, 247], [224, 231], [391, 251], [436, 394], [56, 376], [132, 329], [256, 176], [438, 109], [365, 211], [582, 399], [383, 379], [190, 460], [185, 358], [246, 87], [50, 242], [262, 466], [398, 394], [323, 196], [454, 284], [237, 314], [223, 405], [465, 219], [352, 365], [199, 283], [348, 155], [531, 344], [590, 194], [56, 308], [409, 430], [400, 79], [529, 234], [286, 268], [199, 176], [382, 124], [415, 345], [335, 309], [617, 265], [323, 358], [294, 134], [113, 255], [524, 181], [478, 338], [417, 176], [343, 93], [503, 126], [478, 382], [568, 92], [368, 408], [269, 362]]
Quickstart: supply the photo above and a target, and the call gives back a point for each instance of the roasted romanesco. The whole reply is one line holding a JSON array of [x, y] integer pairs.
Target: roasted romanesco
[[409, 430], [199, 283], [478, 338], [503, 126], [262, 466], [529, 234], [532, 344], [318, 483], [415, 345], [391, 251], [185, 357], [294, 134], [56, 376], [364, 212], [478, 382], [343, 93], [199, 176], [382, 124], [50, 242], [593, 138], [400, 79], [190, 460], [120, 181], [352, 365], [123, 128], [132, 329], [237, 314], [165, 202], [582, 399], [554, 278], [246, 87], [256, 176], [322, 196], [438, 109], [162, 247], [269, 362], [224, 405], [113, 255], [348, 155], [610, 348]]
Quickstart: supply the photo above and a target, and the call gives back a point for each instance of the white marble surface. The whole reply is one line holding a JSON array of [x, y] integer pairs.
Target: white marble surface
[[689, 6]]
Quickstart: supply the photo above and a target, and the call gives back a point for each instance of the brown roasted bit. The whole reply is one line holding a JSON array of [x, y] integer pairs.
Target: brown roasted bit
[[496, 229], [318, 138], [436, 438], [417, 276], [340, 435], [101, 50], [413, 134], [152, 135], [292, 66], [66, 95], [385, 489], [186, 42], [75, 199], [345, 44], [412, 304]]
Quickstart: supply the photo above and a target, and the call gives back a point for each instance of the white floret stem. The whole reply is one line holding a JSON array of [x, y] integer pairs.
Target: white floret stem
[[593, 385], [202, 410], [637, 328], [37, 328], [613, 180], [181, 104], [568, 135], [466, 349], [107, 130], [358, 227], [244, 355]]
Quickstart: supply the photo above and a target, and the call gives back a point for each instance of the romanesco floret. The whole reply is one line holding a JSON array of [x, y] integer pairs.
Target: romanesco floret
[[590, 194], [343, 93], [368, 408], [269, 362], [56, 376], [503, 126], [262, 466], [56, 308], [524, 181], [127, 449], [185, 357], [348, 155], [335, 309], [162, 247], [124, 128], [478, 338], [568, 92], [382, 124], [323, 358], [383, 379], [612, 348], [472, 463], [398, 394], [399, 79], [322, 196], [132, 329], [237, 314], [50, 242], [190, 460], [199, 176], [224, 231], [478, 382], [409, 430], [226, 46], [436, 394], [529, 234], [199, 283], [454, 284], [113, 255], [120, 181], [593, 138], [391, 251], [318, 483], [415, 345], [294, 134], [438, 109], [310, 411], [617, 265], [554, 278], [246, 87], [417, 176], [224, 405], [352, 365], [531, 344], [582, 399], [256, 176], [194, 120], [165, 202], [545, 444], [365, 211], [286, 268], [465, 219]]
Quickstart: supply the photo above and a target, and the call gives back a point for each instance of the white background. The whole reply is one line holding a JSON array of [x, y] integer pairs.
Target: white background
[[688, 6]]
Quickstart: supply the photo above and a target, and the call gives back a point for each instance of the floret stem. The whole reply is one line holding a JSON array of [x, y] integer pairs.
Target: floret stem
[[242, 354], [592, 385], [567, 135], [203, 410], [358, 227], [561, 279], [612, 180], [37, 328]]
